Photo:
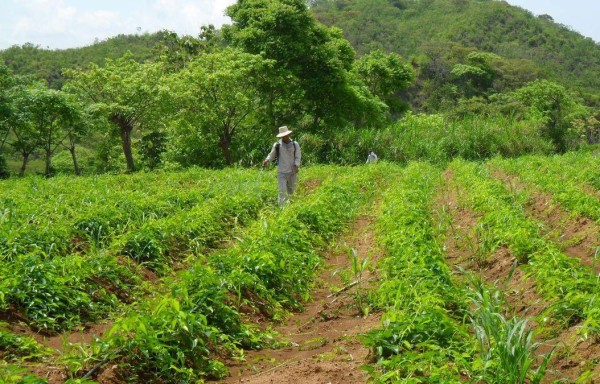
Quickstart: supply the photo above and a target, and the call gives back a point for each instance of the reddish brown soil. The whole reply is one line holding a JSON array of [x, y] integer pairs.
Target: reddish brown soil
[[340, 308], [572, 355], [579, 237], [323, 340]]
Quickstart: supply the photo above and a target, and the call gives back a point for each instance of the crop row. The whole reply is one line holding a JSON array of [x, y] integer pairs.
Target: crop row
[[58, 293], [179, 336], [572, 287], [570, 179], [436, 326], [58, 217]]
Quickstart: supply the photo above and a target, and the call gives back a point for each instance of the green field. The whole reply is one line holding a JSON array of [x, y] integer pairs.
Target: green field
[[178, 267]]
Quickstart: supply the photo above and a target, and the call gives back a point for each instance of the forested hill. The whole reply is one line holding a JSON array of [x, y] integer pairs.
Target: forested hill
[[425, 27], [31, 59]]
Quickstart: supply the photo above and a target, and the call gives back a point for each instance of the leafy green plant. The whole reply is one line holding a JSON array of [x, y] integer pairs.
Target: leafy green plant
[[507, 345], [20, 348], [360, 297], [12, 374], [166, 341], [563, 280], [423, 335]]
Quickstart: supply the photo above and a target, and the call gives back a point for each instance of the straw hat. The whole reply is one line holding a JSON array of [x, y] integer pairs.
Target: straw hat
[[284, 131]]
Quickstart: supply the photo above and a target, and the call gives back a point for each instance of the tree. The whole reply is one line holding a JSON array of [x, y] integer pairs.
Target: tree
[[385, 75], [152, 146], [27, 139], [7, 84], [49, 113], [126, 93], [219, 94], [77, 127], [177, 52], [552, 104], [315, 57], [476, 77]]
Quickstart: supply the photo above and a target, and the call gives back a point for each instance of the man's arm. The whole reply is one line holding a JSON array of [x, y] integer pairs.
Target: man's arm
[[271, 156]]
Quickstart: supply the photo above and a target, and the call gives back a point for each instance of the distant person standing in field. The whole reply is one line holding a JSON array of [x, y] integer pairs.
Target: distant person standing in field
[[372, 158], [287, 153]]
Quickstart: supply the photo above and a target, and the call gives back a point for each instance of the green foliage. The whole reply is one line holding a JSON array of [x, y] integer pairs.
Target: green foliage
[[123, 92], [563, 280], [46, 115], [386, 76], [46, 64], [477, 76], [219, 94], [416, 28], [433, 138], [18, 347], [568, 178], [181, 334], [62, 161], [168, 342], [152, 146], [12, 374], [422, 334], [550, 103], [507, 345], [310, 56], [58, 294]]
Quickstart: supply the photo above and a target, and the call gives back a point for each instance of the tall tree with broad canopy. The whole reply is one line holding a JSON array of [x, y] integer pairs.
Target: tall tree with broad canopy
[[50, 114], [218, 93], [555, 108], [386, 75], [128, 94], [318, 57]]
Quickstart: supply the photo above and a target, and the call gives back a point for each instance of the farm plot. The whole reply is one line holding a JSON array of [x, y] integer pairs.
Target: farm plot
[[472, 284], [253, 280], [439, 325], [66, 266], [573, 180], [509, 246]]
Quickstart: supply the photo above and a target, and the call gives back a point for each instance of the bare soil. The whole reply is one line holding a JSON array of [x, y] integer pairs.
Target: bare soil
[[579, 237], [323, 343], [572, 354]]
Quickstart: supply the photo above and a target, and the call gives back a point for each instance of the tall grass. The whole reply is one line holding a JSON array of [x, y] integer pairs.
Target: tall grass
[[431, 138]]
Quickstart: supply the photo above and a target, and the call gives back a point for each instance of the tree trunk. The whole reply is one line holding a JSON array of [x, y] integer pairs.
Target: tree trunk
[[4, 139], [74, 157], [48, 170], [225, 143], [24, 165], [126, 128], [126, 137]]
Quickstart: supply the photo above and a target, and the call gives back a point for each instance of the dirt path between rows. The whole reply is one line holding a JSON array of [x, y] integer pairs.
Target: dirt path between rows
[[323, 340], [578, 236], [572, 355], [86, 333]]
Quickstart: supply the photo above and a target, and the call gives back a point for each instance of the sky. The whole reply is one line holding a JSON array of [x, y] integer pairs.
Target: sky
[[60, 24]]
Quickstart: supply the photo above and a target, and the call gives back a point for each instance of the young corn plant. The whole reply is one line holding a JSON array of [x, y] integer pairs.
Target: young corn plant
[[507, 347], [359, 267]]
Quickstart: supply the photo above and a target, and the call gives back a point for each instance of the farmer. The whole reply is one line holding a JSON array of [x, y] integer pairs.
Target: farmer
[[372, 158], [287, 153]]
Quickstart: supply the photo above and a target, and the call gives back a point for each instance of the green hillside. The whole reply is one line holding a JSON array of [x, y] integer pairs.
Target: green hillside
[[31, 59], [410, 80], [420, 27]]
